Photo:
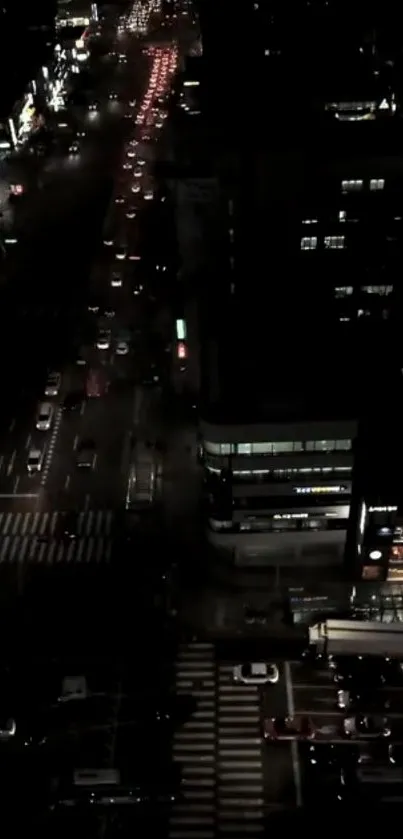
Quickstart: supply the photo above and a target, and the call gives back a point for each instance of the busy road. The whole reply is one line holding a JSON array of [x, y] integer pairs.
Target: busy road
[[109, 337]]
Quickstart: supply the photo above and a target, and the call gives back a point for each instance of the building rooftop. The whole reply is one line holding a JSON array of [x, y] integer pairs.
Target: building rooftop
[[282, 361]]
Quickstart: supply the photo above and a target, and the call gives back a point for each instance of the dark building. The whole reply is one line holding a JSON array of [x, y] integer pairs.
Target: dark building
[[26, 43], [295, 161]]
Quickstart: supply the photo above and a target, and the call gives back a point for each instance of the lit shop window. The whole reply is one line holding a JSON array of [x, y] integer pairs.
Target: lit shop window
[[376, 184], [382, 290], [309, 221], [309, 243], [352, 186], [343, 291], [335, 243], [342, 215]]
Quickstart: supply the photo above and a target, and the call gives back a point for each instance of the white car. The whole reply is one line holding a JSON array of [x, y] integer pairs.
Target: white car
[[148, 195], [116, 281], [73, 148], [141, 162], [53, 383], [138, 173], [104, 340], [137, 289], [132, 103], [131, 212], [113, 96], [131, 153], [127, 167], [256, 673], [122, 348], [136, 188], [35, 460]]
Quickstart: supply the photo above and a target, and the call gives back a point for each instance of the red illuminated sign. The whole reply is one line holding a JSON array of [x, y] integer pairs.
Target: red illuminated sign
[[182, 351]]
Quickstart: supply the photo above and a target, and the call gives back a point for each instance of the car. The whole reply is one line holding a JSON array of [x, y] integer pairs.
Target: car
[[256, 673], [299, 727], [93, 106], [354, 671], [53, 383], [81, 134], [121, 253], [81, 359], [122, 348], [93, 306], [116, 280], [104, 339], [131, 153], [127, 166], [365, 727], [138, 173], [141, 162], [364, 699], [133, 143], [44, 417], [35, 460], [86, 453], [131, 212], [137, 289], [73, 148], [148, 195], [253, 615], [120, 199], [70, 524], [109, 312], [135, 188], [73, 401], [132, 103], [73, 688], [112, 96]]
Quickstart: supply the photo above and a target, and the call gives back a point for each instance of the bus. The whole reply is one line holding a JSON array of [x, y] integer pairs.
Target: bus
[[141, 487]]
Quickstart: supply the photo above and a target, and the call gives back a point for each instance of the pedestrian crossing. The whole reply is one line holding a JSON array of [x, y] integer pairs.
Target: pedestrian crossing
[[240, 795], [39, 538], [220, 752], [91, 523], [193, 817], [17, 549]]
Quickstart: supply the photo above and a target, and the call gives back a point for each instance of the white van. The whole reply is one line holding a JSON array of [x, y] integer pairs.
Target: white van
[[44, 417]]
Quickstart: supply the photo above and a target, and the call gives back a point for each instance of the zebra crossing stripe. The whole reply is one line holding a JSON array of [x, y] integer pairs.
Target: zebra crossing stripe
[[20, 549], [91, 523]]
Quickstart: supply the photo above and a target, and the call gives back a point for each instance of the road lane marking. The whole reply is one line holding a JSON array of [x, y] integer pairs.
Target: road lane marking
[[10, 466], [12, 425], [67, 482], [75, 444], [294, 747], [16, 482], [51, 447], [87, 502], [82, 409], [28, 442]]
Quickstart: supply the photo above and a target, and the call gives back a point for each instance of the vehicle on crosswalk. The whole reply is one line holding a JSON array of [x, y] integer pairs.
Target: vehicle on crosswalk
[[256, 673], [299, 727]]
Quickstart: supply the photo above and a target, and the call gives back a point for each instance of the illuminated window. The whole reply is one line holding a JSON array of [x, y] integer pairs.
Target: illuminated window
[[377, 289], [309, 221], [342, 215], [335, 243], [352, 186], [376, 184], [244, 448], [343, 291], [309, 243]]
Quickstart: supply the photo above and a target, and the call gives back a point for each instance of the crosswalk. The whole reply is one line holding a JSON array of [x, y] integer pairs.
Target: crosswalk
[[91, 523], [38, 538], [240, 793], [193, 817], [220, 752]]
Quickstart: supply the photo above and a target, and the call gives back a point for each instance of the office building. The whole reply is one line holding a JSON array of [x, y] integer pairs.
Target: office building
[[300, 315]]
